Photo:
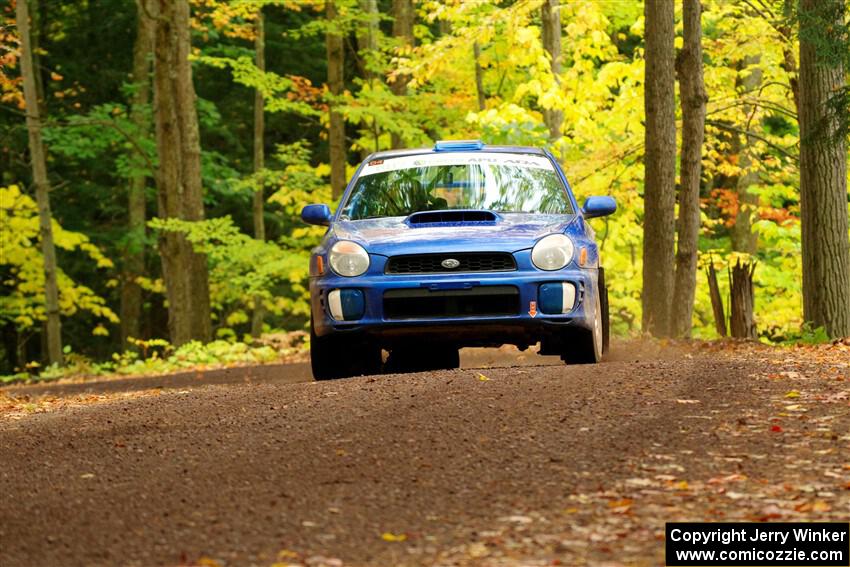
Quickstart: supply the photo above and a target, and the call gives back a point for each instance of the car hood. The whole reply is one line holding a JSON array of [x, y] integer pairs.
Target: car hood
[[392, 236]]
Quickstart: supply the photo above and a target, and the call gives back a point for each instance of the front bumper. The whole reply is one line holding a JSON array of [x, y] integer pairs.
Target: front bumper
[[525, 325]]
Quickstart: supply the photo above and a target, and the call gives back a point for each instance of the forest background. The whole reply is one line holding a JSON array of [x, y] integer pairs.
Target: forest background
[[186, 136]]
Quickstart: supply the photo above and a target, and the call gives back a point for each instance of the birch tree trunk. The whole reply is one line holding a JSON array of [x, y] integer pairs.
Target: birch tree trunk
[[259, 163], [134, 253], [693, 130], [660, 168], [403, 17], [823, 176], [179, 191], [336, 128], [551, 28], [38, 157]]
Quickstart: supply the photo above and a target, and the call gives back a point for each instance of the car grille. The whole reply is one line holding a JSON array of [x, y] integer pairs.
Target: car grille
[[469, 262], [479, 301]]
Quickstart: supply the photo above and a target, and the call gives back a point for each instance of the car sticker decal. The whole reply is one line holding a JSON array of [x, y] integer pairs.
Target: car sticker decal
[[458, 158]]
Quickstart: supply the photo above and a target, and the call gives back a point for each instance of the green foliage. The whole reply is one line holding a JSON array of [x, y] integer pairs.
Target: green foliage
[[22, 264], [159, 358], [244, 269], [273, 87]]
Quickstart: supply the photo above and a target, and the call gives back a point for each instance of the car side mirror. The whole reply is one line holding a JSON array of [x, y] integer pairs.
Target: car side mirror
[[598, 207], [316, 214]]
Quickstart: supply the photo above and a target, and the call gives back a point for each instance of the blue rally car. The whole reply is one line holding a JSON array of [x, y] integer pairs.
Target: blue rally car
[[464, 244]]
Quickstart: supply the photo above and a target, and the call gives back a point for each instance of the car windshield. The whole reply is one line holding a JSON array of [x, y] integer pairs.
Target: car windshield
[[501, 182]]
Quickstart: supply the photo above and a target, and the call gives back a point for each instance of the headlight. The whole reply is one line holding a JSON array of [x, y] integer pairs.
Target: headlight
[[348, 258], [552, 252]]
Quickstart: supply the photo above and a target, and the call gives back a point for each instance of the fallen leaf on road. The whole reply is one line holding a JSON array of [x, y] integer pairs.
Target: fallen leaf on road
[[387, 536], [770, 512], [793, 394], [728, 478], [639, 482], [517, 519], [776, 429], [482, 378], [477, 550], [620, 506], [821, 506]]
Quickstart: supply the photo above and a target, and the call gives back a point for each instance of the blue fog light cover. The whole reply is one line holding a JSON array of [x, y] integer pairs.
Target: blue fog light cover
[[556, 298], [346, 304]]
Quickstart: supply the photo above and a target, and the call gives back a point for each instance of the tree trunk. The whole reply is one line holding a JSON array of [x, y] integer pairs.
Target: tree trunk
[[660, 168], [551, 28], [367, 38], [479, 76], [259, 164], [741, 320], [179, 191], [336, 128], [367, 49], [744, 239], [716, 300], [823, 177], [693, 128], [403, 17], [134, 253], [788, 62], [37, 29], [38, 157]]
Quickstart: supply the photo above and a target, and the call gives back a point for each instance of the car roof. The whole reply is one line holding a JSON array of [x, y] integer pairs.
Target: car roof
[[432, 150]]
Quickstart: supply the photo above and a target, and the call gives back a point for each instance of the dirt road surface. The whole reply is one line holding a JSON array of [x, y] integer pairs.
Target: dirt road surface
[[499, 463]]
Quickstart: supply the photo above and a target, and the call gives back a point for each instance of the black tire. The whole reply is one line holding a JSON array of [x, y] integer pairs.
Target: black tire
[[342, 356], [585, 346], [425, 359], [606, 320]]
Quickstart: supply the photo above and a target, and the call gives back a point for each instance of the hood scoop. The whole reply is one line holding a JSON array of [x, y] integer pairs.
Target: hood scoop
[[458, 217]]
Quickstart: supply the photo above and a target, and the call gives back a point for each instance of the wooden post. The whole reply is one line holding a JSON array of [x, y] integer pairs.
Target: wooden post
[[716, 300], [741, 320]]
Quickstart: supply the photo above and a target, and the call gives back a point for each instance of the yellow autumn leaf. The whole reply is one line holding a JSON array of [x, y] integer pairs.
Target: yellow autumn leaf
[[387, 536]]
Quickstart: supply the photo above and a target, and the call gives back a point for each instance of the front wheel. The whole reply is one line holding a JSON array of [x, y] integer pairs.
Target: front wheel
[[585, 346], [606, 318], [342, 356]]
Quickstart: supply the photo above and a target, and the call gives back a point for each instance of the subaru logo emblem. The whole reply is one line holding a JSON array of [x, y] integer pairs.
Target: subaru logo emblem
[[450, 263]]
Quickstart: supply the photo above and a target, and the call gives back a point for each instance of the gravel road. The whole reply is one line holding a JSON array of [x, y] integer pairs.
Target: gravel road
[[508, 465]]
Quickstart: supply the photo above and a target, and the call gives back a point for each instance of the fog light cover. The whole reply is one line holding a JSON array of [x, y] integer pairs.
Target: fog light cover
[[346, 304], [556, 298]]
